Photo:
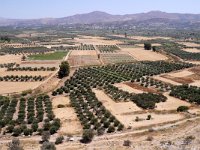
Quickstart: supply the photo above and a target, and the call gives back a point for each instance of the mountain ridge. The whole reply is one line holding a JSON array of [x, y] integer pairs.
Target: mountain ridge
[[102, 17]]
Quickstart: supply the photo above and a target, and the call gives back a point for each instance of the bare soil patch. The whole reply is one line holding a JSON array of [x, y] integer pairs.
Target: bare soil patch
[[16, 87], [70, 124], [182, 73], [189, 44], [140, 54], [95, 40], [182, 80], [83, 58], [192, 50], [141, 88], [163, 79], [10, 59], [171, 103], [129, 119], [126, 87], [60, 100], [116, 108]]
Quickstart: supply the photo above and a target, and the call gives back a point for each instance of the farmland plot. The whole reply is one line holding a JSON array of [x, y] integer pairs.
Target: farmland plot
[[127, 112], [83, 58], [70, 124], [140, 54], [112, 58]]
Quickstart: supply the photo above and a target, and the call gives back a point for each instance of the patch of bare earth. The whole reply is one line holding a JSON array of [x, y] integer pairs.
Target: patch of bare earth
[[70, 124], [126, 112], [171, 103], [126, 87], [189, 44], [83, 58], [140, 54], [16, 87], [10, 59], [95, 40], [141, 88], [192, 50]]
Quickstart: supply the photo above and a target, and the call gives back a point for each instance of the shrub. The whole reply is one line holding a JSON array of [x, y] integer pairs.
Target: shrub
[[111, 129], [87, 136], [17, 131], [15, 145], [48, 146], [28, 132], [149, 117], [147, 46], [60, 106], [127, 143], [59, 140], [182, 108], [53, 129], [45, 136]]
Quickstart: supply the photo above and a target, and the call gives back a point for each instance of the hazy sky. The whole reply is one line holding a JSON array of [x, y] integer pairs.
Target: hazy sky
[[62, 8]]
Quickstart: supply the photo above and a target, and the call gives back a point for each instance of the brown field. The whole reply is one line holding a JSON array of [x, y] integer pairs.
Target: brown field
[[171, 103], [141, 88], [186, 76], [129, 119], [145, 37], [95, 40], [10, 59], [116, 108], [83, 53], [140, 54], [189, 44], [182, 73], [192, 50], [126, 112], [70, 124], [83, 58], [163, 79], [125, 87], [16, 87]]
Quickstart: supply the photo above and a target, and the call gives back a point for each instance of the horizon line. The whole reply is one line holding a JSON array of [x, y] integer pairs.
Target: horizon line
[[97, 11]]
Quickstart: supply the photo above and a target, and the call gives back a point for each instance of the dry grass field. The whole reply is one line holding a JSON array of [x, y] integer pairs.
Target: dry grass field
[[95, 40], [140, 54], [17, 87], [192, 50], [189, 44], [83, 58], [10, 59]]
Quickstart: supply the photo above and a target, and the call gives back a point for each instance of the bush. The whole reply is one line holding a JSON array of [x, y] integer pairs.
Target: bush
[[45, 136], [17, 131], [111, 129], [28, 132], [87, 136], [60, 106], [147, 46], [59, 140], [15, 145], [182, 108], [10, 128], [53, 129], [127, 143], [48, 146]]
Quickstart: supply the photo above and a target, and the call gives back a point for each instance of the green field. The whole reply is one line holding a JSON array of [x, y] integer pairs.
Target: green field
[[49, 56]]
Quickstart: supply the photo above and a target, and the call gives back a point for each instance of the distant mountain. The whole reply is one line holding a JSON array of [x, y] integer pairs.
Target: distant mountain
[[102, 17]]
